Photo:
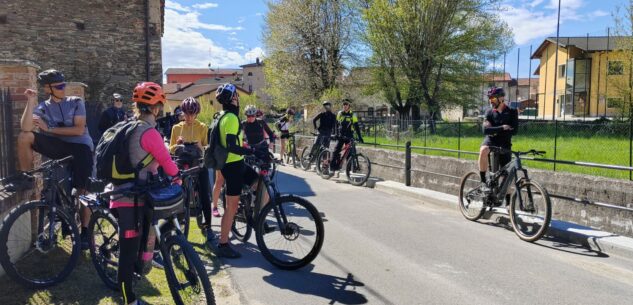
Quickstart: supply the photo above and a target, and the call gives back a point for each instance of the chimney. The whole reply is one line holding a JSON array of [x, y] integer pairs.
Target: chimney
[[257, 60], [177, 87]]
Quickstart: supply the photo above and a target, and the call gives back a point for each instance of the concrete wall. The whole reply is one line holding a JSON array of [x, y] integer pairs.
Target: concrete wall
[[443, 174]]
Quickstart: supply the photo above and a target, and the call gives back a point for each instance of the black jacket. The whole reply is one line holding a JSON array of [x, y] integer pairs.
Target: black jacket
[[110, 117], [327, 122], [495, 135]]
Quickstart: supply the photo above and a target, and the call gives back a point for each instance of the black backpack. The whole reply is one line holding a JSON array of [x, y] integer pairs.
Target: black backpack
[[113, 156], [215, 154]]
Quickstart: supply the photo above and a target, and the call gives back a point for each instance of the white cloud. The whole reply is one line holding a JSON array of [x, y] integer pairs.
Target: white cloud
[[189, 20], [202, 6], [241, 20], [176, 6], [259, 14], [599, 13], [535, 3], [254, 53]]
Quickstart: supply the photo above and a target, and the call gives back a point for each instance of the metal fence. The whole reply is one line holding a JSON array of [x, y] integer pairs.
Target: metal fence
[[602, 148], [7, 143]]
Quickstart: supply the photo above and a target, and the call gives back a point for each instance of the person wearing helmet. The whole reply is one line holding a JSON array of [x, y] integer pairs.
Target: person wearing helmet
[[256, 131], [144, 142], [112, 115], [284, 124], [500, 124], [236, 174], [55, 128], [327, 122], [347, 123]]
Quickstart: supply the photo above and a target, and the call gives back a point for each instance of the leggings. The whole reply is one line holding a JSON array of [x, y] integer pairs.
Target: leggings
[[130, 239]]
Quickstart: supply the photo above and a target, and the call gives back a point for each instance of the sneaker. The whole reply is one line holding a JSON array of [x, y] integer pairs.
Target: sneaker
[[20, 182], [84, 240], [215, 212], [225, 250], [157, 261]]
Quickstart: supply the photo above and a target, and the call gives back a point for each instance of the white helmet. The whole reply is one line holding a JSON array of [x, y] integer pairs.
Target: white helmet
[[250, 110]]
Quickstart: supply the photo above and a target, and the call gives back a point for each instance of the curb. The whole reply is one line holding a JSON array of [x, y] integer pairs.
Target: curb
[[595, 240]]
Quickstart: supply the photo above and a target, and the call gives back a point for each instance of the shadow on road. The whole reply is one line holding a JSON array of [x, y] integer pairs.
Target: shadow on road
[[559, 244], [291, 184]]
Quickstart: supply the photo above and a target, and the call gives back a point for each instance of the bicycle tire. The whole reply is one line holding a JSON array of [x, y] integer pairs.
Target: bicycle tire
[[104, 254], [270, 255], [241, 217], [196, 269], [350, 166], [538, 233], [189, 197], [324, 164], [305, 158], [464, 203], [5, 257]]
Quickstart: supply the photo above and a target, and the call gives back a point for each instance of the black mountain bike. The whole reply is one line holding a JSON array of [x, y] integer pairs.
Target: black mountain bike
[[289, 229], [186, 275], [309, 154], [39, 240], [357, 165], [193, 207], [529, 208]]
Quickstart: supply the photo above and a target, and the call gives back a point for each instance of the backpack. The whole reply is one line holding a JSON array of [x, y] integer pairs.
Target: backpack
[[113, 156], [215, 154]]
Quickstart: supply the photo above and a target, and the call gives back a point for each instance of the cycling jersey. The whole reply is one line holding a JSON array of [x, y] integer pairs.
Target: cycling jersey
[[327, 122], [256, 131], [230, 125], [346, 121], [495, 134]]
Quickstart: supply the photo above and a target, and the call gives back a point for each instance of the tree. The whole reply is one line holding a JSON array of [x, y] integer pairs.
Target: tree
[[429, 53], [308, 42], [624, 43]]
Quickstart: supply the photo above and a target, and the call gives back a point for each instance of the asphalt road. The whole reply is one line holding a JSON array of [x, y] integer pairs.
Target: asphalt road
[[386, 249]]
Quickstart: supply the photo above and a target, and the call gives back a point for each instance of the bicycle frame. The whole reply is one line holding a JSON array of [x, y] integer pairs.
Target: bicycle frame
[[510, 174]]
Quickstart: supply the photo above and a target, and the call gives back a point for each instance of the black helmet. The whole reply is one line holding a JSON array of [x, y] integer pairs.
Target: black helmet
[[347, 101], [50, 76], [224, 94], [496, 92]]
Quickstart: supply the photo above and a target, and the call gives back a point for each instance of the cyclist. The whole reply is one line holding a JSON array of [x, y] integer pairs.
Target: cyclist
[[235, 173], [327, 122], [187, 141], [61, 121], [500, 124], [283, 124], [346, 120], [145, 141], [270, 137], [256, 131], [112, 115]]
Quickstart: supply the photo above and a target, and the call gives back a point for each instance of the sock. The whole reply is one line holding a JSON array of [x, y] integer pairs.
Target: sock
[[482, 175]]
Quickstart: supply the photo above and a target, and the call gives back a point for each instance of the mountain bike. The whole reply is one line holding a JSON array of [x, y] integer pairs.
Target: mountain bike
[[357, 165], [193, 206], [186, 275], [291, 151], [289, 229], [309, 154], [530, 206], [39, 239]]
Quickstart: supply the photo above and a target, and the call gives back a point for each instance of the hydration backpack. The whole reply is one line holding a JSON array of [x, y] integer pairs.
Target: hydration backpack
[[215, 154]]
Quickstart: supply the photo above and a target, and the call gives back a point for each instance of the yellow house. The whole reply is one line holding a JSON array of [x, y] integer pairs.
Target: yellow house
[[589, 80]]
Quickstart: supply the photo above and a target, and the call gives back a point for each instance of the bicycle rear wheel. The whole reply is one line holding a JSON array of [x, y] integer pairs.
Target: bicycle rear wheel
[[531, 215], [358, 169], [188, 279], [39, 247], [104, 246], [324, 164], [241, 227], [471, 198], [305, 158], [289, 232]]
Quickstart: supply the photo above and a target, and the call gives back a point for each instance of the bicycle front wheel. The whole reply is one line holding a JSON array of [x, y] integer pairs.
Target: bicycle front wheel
[[324, 164], [358, 169], [471, 197], [241, 227], [289, 232], [305, 158], [188, 279], [104, 246], [530, 211], [39, 246]]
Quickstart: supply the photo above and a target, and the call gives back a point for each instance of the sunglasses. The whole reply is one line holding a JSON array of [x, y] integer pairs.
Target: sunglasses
[[250, 116], [60, 86], [118, 100]]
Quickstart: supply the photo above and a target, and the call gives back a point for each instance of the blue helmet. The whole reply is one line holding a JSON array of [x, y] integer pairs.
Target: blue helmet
[[224, 94]]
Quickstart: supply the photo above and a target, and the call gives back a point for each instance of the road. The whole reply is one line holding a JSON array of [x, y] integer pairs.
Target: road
[[386, 249]]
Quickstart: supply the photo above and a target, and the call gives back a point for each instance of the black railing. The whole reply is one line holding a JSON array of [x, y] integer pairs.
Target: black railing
[[7, 141]]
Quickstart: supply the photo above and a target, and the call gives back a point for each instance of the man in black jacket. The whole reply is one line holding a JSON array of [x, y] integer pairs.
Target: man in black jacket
[[112, 115], [500, 124], [327, 123]]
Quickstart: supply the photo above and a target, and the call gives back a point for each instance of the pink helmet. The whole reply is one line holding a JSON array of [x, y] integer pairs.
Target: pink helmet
[[190, 106]]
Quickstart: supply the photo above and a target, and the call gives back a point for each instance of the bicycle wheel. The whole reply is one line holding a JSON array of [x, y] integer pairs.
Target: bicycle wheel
[[471, 198], [273, 166], [531, 215], [324, 164], [289, 232], [187, 277], [305, 158], [104, 246], [358, 169], [39, 246], [241, 227]]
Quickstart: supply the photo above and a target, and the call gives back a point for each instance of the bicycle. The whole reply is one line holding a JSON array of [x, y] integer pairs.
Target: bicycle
[[42, 232], [296, 220], [193, 206], [291, 151], [309, 154], [357, 165], [529, 201], [185, 273]]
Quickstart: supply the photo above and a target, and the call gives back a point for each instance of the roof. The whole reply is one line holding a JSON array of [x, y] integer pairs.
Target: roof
[[197, 91], [498, 77], [587, 44], [527, 81], [253, 65], [203, 71], [175, 87]]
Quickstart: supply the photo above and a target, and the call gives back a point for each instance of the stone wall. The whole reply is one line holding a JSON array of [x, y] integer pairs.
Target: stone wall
[[443, 174], [97, 42]]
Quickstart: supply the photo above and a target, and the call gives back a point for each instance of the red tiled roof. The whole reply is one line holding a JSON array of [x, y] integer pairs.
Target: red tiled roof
[[174, 87], [172, 71]]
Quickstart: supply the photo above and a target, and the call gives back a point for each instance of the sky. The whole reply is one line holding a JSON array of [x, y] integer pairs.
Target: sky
[[228, 33]]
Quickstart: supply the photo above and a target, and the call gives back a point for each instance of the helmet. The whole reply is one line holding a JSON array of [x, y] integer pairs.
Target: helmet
[[327, 103], [50, 76], [148, 93], [190, 106], [250, 110], [259, 113], [290, 111], [177, 111], [225, 93], [496, 92], [117, 96], [347, 101]]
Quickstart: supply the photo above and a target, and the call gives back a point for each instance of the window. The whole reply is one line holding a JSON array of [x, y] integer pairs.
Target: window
[[250, 73], [561, 70], [616, 68]]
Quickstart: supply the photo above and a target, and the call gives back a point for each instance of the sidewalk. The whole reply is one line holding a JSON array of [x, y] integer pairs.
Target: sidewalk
[[599, 241]]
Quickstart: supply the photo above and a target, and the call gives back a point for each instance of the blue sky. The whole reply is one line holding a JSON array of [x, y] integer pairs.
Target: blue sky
[[227, 33]]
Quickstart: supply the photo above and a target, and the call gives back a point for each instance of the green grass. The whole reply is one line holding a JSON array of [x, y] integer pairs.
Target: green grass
[[84, 286]]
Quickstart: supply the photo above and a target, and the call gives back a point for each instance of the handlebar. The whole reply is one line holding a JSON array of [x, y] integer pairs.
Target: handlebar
[[502, 150]]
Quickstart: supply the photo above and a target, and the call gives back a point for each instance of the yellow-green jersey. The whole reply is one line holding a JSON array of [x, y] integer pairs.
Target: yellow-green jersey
[[345, 121], [230, 125]]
